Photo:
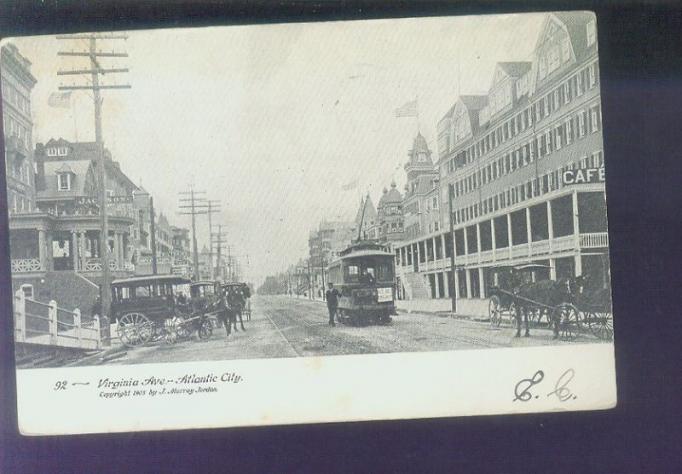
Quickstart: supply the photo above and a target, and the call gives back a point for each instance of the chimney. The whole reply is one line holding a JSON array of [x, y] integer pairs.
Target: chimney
[[39, 157]]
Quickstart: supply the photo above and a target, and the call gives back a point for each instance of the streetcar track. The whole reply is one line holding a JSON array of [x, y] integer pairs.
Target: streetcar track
[[279, 331]]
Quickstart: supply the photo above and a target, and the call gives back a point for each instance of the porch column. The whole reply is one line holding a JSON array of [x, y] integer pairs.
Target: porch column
[[74, 249], [434, 249], [418, 256], [481, 281], [436, 294], [529, 233], [82, 239], [447, 283], [467, 275], [550, 224], [119, 240], [41, 250], [492, 237], [443, 250], [552, 268], [455, 277], [576, 234], [510, 234], [466, 244], [478, 241]]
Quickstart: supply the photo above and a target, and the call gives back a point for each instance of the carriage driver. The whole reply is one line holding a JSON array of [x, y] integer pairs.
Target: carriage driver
[[332, 296]]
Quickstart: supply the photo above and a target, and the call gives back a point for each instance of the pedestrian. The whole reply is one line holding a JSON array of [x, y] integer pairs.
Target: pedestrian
[[332, 296]]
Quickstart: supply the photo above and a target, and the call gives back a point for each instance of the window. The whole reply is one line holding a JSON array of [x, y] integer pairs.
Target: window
[[581, 124], [594, 119], [591, 33], [565, 50], [64, 181], [28, 290], [592, 75]]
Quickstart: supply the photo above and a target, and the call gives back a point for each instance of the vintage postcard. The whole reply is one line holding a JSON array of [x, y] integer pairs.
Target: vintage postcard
[[313, 222]]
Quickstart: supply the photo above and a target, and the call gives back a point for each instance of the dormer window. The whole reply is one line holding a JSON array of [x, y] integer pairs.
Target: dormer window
[[64, 181], [591, 33]]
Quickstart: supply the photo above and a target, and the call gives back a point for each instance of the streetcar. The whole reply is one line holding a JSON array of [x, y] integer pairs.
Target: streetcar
[[364, 274]]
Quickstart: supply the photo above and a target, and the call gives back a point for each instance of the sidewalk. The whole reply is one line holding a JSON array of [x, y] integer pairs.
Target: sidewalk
[[442, 307]]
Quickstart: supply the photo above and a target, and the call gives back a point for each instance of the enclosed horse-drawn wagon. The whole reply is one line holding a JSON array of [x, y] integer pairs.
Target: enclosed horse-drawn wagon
[[147, 308]]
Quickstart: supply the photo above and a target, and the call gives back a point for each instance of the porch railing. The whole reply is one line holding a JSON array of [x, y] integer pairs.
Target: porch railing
[[26, 265], [594, 240], [48, 325]]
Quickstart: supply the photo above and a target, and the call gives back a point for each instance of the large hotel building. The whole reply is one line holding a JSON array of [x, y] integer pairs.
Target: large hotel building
[[524, 167]]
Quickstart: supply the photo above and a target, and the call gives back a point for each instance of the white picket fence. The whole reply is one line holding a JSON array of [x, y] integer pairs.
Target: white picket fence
[[48, 325]]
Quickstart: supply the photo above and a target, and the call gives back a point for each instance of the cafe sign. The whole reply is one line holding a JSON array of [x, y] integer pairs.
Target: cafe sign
[[583, 176]]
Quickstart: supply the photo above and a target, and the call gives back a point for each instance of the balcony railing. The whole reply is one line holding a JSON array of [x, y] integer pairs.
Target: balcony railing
[[539, 247], [95, 265], [520, 250], [594, 240], [567, 242], [26, 265], [486, 256]]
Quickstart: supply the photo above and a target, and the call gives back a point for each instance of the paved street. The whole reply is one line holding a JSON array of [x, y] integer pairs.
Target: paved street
[[290, 327]]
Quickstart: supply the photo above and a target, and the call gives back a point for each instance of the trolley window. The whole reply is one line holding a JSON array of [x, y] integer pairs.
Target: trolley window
[[369, 270]]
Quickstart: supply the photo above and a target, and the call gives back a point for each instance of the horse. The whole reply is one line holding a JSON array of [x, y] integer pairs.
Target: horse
[[547, 294]]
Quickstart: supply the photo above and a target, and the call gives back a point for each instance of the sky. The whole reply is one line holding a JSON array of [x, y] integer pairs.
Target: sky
[[273, 120]]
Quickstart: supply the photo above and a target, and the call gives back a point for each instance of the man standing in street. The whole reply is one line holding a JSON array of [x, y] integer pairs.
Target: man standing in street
[[332, 296]]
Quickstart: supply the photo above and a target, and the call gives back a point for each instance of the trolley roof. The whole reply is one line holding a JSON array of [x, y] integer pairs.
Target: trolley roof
[[204, 283], [172, 279]]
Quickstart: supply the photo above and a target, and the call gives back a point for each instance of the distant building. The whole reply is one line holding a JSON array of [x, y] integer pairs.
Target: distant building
[[324, 245], [182, 254], [390, 215], [366, 219], [17, 83]]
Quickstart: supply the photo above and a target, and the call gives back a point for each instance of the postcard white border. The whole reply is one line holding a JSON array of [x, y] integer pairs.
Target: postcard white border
[[318, 389]]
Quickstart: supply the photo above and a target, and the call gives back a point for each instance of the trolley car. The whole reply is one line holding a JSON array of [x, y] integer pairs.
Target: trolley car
[[364, 275]]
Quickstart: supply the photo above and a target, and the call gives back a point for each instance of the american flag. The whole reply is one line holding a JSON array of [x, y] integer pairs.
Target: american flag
[[350, 185], [409, 109]]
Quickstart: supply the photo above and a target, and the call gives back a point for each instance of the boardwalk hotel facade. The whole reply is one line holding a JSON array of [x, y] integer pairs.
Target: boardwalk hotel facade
[[524, 166]]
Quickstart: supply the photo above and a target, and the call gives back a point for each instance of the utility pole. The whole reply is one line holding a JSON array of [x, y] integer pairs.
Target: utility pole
[[152, 230], [94, 70], [213, 207], [193, 206], [310, 280], [218, 239], [453, 290]]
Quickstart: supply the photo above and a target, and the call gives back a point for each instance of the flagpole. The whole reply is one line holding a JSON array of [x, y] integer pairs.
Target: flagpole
[[72, 105]]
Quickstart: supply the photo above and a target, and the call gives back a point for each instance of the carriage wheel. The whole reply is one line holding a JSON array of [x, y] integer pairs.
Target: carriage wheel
[[567, 317], [601, 324], [494, 311], [134, 329], [168, 335], [181, 329], [205, 330]]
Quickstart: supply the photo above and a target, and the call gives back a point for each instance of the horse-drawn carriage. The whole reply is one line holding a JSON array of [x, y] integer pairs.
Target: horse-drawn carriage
[[567, 305], [147, 309]]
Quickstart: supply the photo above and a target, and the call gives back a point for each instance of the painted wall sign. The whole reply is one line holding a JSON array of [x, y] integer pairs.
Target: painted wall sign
[[583, 176]]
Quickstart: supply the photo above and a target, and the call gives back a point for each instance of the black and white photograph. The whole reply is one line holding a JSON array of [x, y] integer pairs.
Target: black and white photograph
[[307, 190]]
